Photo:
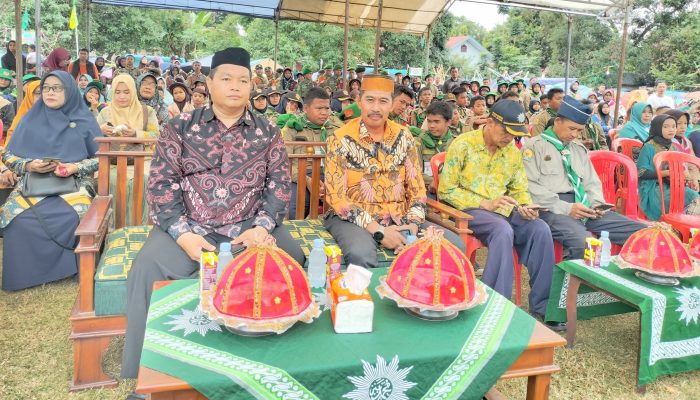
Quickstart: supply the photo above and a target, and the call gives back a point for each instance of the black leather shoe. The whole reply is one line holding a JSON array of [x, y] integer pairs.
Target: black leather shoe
[[555, 326]]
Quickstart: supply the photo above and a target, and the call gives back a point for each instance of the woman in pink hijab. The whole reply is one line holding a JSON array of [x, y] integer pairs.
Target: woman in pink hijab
[[58, 60]]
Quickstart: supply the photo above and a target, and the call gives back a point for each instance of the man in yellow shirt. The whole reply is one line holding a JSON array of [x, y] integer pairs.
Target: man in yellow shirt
[[374, 184], [484, 176]]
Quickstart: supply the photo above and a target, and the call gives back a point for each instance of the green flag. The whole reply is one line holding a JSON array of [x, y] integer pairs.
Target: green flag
[[25, 20], [73, 22]]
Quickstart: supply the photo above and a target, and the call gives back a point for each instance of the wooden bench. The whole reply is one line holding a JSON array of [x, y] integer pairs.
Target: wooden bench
[[91, 332]]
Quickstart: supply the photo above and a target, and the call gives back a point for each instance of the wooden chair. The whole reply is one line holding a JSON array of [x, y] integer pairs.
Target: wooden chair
[[92, 333], [470, 241], [304, 230], [676, 161]]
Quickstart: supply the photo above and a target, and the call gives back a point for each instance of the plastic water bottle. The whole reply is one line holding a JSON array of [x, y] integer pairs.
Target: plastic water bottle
[[605, 248], [410, 239], [225, 258], [317, 265]]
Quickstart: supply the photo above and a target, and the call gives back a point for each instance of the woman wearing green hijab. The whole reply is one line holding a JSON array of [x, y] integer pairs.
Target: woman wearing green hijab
[[639, 123]]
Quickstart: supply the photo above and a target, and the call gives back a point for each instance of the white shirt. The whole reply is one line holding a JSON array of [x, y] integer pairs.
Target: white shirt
[[31, 58], [655, 101]]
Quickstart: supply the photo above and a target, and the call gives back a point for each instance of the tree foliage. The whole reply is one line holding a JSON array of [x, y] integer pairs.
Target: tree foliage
[[662, 44]]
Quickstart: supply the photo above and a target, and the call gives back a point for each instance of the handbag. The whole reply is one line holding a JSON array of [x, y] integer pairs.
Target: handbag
[[37, 184]]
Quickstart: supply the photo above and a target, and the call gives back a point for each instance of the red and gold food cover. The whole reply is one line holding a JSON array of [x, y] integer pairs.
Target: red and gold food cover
[[695, 246], [658, 250], [262, 290], [432, 274]]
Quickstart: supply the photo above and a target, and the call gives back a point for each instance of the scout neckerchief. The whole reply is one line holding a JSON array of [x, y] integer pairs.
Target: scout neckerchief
[[432, 142], [579, 191], [312, 126], [551, 112]]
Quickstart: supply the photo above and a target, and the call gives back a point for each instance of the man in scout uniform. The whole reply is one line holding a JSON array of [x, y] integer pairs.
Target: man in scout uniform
[[332, 78], [403, 97], [483, 175], [455, 123], [351, 74], [269, 76], [435, 138], [593, 136], [562, 180], [6, 80], [259, 80], [195, 75], [484, 90], [502, 86], [313, 125], [397, 77], [462, 103], [487, 82], [479, 115], [430, 85], [372, 187], [555, 96], [474, 88], [524, 93], [304, 86], [425, 96], [360, 73]]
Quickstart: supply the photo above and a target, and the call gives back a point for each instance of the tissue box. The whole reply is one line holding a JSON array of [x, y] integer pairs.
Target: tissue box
[[350, 313]]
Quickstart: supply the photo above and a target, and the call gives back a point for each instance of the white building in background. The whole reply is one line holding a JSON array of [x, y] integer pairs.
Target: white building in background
[[468, 48]]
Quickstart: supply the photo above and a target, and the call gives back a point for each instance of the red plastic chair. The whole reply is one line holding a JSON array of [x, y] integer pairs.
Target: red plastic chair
[[625, 146], [675, 160], [618, 174]]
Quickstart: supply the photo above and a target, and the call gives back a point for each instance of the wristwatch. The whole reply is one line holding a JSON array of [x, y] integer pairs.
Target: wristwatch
[[378, 236]]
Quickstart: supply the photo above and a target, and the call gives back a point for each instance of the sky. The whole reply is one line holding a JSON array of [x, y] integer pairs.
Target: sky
[[485, 15]]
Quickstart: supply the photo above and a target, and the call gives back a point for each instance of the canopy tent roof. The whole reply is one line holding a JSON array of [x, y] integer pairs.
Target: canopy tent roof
[[412, 16]]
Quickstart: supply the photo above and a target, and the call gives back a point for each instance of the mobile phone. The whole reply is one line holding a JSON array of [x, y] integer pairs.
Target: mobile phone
[[237, 248], [109, 124], [533, 207], [604, 207], [405, 233], [51, 160]]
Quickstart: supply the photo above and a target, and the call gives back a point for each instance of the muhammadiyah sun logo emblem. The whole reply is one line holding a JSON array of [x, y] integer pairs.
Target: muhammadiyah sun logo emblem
[[381, 381]]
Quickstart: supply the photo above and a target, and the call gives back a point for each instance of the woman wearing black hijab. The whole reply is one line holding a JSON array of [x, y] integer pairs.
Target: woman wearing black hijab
[[56, 135], [661, 133], [9, 60]]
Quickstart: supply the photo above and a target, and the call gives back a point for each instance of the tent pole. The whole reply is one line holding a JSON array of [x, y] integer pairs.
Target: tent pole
[[89, 25], [623, 54], [18, 50], [37, 40], [426, 62], [346, 33], [570, 21], [377, 37], [276, 41]]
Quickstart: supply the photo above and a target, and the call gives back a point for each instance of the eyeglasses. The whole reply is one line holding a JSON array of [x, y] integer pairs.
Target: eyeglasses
[[57, 89]]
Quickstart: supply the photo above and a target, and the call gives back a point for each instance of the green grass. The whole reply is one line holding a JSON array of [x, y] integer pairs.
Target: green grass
[[36, 356]]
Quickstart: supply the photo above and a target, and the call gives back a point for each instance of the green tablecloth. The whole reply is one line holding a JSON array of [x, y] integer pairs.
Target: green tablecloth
[[404, 358], [670, 329]]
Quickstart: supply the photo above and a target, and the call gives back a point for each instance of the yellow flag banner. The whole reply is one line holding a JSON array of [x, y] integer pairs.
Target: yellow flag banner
[[73, 22]]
